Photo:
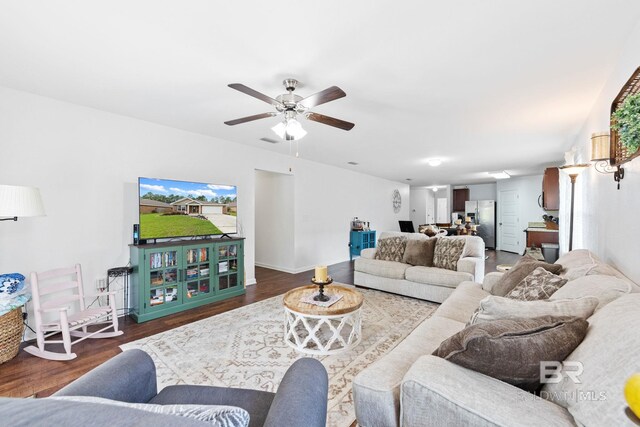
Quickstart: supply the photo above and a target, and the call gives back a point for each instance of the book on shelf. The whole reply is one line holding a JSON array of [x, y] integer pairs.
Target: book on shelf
[[223, 266], [155, 260], [192, 273]]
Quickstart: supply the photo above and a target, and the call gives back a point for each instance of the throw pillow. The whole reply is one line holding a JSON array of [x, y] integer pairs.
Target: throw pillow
[[540, 284], [215, 415], [419, 252], [518, 344], [519, 271], [447, 253], [391, 248], [604, 288], [497, 308]]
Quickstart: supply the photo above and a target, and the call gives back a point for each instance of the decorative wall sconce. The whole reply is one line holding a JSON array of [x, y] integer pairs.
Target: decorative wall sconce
[[601, 155]]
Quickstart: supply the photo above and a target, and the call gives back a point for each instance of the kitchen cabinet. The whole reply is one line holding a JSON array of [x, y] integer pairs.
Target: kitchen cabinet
[[460, 197], [551, 189], [536, 237]]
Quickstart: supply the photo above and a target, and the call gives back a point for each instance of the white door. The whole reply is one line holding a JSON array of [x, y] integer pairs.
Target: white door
[[442, 213], [509, 225], [431, 210]]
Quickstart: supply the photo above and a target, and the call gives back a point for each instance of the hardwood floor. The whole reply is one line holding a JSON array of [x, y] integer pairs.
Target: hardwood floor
[[26, 375]]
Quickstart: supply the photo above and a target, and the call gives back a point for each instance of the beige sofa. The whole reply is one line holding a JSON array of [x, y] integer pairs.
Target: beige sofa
[[408, 387], [428, 283]]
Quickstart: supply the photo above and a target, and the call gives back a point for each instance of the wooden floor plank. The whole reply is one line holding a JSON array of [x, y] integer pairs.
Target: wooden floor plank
[[27, 375]]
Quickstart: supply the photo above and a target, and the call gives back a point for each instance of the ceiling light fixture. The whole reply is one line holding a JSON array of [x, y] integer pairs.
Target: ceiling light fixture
[[434, 162], [435, 189], [500, 175]]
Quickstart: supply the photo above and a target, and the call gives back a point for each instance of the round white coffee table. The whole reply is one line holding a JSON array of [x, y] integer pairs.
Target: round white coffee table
[[503, 268], [319, 330]]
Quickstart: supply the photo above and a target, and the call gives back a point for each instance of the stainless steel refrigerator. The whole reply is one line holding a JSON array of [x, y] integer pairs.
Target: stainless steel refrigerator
[[483, 214]]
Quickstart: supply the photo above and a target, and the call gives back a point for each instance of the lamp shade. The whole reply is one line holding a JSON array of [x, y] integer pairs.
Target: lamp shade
[[600, 146], [18, 201], [573, 170]]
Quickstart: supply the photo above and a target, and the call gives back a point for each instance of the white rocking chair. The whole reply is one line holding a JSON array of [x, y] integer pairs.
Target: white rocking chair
[[56, 298]]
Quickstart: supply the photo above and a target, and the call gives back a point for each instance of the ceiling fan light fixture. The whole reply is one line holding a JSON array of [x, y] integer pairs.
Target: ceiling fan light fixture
[[280, 130], [294, 129], [289, 130]]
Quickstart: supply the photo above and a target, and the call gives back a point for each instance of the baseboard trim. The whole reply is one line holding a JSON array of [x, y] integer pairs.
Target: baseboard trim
[[251, 282], [276, 267]]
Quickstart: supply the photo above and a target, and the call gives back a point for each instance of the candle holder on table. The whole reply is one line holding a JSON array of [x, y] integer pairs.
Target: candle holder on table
[[321, 296]]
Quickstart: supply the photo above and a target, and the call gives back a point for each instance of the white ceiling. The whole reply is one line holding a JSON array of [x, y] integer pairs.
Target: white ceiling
[[485, 85]]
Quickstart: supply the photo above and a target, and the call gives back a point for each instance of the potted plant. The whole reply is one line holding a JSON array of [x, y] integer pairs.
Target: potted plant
[[626, 121]]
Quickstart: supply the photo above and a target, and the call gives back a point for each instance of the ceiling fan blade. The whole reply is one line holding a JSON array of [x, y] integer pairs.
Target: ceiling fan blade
[[250, 118], [262, 97], [330, 94], [331, 121]]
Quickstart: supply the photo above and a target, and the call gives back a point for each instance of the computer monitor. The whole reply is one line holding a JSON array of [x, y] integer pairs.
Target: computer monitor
[[406, 226]]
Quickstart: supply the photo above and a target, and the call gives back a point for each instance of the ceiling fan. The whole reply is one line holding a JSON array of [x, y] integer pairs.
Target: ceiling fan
[[292, 106]]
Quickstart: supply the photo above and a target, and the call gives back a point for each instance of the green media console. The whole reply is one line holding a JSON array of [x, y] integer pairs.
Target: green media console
[[175, 276]]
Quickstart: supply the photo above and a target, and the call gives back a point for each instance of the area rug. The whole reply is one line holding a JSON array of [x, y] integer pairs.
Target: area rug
[[245, 348]]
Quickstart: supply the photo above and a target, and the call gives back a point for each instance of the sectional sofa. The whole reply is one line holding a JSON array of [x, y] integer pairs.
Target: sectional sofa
[[428, 283], [409, 387]]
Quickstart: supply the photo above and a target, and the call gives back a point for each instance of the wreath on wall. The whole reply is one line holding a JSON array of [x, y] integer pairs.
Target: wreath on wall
[[626, 121]]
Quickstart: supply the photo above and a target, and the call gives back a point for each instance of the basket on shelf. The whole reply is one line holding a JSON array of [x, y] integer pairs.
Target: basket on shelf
[[11, 328]]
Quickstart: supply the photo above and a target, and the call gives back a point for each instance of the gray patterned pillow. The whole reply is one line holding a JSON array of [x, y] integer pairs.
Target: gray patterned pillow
[[214, 415], [540, 284], [391, 248], [448, 253]]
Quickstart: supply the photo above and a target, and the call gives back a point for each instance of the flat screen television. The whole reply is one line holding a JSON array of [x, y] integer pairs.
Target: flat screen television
[[170, 208]]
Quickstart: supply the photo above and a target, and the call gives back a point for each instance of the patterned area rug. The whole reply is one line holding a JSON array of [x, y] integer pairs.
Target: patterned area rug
[[245, 348]]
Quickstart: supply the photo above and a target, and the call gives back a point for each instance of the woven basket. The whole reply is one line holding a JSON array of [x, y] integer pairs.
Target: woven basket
[[11, 328]]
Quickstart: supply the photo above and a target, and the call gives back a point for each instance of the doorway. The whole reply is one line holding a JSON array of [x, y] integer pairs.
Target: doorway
[[274, 220], [509, 221]]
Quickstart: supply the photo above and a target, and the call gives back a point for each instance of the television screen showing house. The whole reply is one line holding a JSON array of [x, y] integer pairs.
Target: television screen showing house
[[180, 209]]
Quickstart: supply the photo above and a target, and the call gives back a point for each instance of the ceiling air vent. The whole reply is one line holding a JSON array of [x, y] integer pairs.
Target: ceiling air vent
[[270, 140], [353, 163]]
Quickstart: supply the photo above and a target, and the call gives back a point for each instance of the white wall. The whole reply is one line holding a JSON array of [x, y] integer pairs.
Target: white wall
[[274, 227], [86, 163], [327, 198], [483, 191], [529, 188], [605, 218]]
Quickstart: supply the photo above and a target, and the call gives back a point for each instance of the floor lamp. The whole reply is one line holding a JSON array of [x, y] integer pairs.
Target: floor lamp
[[573, 171], [18, 201]]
